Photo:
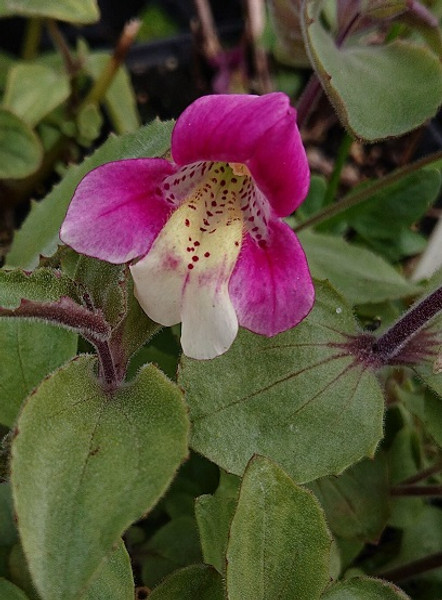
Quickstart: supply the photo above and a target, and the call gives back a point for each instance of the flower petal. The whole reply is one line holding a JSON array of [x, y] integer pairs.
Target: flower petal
[[260, 132], [185, 275], [271, 288], [118, 209]]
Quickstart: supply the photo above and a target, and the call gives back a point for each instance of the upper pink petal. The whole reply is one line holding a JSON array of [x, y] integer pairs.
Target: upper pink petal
[[271, 287], [118, 209], [258, 131]]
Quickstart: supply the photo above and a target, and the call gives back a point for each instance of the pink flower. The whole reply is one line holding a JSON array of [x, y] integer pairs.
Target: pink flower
[[207, 226]]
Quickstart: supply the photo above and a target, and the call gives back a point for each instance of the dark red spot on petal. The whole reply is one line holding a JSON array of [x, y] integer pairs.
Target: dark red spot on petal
[[190, 266], [195, 258], [262, 243], [187, 223], [197, 243], [207, 254]]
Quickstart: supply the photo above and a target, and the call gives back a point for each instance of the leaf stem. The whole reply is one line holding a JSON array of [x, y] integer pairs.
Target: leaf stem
[[417, 567], [388, 345], [421, 475], [32, 38], [361, 195], [429, 491], [107, 75]]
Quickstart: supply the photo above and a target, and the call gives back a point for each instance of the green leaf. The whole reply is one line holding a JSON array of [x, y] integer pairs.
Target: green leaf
[[34, 90], [85, 465], [42, 285], [39, 233], [279, 543], [120, 98], [8, 530], [356, 503], [357, 273], [18, 572], [8, 591], [196, 582], [364, 588], [174, 545], [72, 11], [284, 396], [115, 580], [384, 220], [289, 44], [29, 351], [214, 515], [20, 150], [377, 91]]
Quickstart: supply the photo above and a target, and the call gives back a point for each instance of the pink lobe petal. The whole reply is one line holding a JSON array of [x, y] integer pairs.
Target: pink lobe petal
[[271, 288], [259, 132], [118, 210]]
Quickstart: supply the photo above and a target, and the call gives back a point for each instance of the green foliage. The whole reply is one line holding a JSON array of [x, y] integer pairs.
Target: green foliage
[[273, 396], [20, 149], [399, 85], [115, 457], [197, 581], [279, 544], [34, 90], [359, 274], [363, 588], [29, 351], [72, 11], [39, 233]]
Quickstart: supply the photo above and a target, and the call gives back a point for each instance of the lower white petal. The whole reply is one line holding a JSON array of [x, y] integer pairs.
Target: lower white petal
[[209, 320]]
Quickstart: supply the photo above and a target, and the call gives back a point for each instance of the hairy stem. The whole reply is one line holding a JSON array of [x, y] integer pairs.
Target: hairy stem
[[333, 183], [388, 345]]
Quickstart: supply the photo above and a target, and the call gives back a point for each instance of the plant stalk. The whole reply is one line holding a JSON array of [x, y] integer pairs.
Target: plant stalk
[[388, 345]]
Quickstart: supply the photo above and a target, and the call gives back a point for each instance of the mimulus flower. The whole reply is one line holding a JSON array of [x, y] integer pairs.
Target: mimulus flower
[[214, 251]]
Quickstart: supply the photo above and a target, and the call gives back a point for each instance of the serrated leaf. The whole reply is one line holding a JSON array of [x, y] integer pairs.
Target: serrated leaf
[[29, 351], [359, 274], [378, 91], [120, 98], [115, 457], [357, 502], [272, 397], [42, 285], [115, 580], [34, 90], [72, 11], [39, 233], [196, 582], [279, 544], [20, 150], [364, 588], [8, 591]]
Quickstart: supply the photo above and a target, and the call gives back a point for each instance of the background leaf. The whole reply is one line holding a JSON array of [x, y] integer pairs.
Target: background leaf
[[399, 85], [8, 591], [39, 233], [296, 398], [364, 589], [29, 351], [359, 274], [115, 580], [20, 149], [34, 90], [279, 543], [115, 456], [197, 581], [72, 11]]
